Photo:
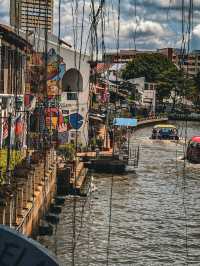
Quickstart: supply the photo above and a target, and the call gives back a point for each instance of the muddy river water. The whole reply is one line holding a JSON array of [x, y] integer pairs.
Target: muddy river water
[[151, 218]]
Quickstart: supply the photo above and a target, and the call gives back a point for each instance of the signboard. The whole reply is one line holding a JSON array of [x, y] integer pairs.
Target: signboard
[[16, 249]]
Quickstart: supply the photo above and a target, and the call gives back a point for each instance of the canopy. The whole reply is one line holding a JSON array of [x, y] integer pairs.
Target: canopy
[[196, 139], [164, 126], [125, 122]]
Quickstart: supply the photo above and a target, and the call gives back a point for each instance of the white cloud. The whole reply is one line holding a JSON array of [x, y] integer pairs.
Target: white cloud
[[196, 31], [159, 21]]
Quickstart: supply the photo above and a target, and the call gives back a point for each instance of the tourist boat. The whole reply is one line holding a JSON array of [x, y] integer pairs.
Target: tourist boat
[[193, 150], [164, 131]]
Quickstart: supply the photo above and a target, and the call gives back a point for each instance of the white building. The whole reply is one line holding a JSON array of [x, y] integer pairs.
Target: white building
[[73, 83], [147, 91]]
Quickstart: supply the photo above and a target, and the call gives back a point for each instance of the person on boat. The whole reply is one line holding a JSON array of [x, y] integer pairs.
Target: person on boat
[[111, 138], [160, 133], [154, 133]]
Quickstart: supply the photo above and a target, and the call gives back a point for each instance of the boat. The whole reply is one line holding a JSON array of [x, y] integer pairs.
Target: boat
[[164, 131], [193, 150]]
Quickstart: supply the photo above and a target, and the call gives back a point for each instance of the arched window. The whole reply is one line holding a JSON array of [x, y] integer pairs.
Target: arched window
[[72, 81]]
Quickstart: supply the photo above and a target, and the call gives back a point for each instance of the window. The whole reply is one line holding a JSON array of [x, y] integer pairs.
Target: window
[[72, 96], [72, 81]]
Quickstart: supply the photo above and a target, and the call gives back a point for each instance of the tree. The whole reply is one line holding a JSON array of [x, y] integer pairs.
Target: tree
[[172, 82], [149, 66], [196, 91]]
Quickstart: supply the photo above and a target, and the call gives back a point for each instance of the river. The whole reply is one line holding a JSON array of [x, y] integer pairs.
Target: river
[[153, 215]]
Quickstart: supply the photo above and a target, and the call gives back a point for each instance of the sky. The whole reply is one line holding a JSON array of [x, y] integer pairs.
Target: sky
[[144, 24]]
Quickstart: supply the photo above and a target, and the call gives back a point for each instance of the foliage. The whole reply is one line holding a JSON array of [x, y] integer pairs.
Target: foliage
[[175, 84], [147, 65], [171, 82], [16, 158], [196, 91], [67, 150]]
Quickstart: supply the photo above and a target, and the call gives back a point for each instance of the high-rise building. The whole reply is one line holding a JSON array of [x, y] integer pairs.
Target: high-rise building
[[32, 14]]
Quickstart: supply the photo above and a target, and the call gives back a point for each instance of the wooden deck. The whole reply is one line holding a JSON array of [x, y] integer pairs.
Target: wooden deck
[[93, 154], [78, 178]]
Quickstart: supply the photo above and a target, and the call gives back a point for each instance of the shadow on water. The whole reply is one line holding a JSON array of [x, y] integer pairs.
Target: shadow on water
[[155, 212]]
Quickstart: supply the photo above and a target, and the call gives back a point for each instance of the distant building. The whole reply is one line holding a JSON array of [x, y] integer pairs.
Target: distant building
[[124, 56], [147, 90], [190, 63], [168, 52], [31, 14]]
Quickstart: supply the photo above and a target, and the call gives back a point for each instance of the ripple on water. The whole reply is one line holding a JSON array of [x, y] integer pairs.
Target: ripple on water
[[151, 211]]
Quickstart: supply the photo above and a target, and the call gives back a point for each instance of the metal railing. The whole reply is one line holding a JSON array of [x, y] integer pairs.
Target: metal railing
[[25, 220]]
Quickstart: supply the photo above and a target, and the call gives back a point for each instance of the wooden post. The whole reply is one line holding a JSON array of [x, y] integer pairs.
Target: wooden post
[[19, 200], [9, 148], [2, 214]]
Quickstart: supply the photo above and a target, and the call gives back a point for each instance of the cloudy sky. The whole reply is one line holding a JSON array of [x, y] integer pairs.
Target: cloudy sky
[[146, 24]]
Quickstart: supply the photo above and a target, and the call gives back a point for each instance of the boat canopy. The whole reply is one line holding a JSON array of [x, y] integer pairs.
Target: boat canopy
[[196, 139], [164, 126], [125, 122]]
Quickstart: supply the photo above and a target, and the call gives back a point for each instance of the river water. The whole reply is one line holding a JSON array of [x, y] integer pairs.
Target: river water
[[151, 218]]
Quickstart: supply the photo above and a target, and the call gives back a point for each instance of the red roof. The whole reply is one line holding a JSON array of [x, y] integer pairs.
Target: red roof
[[196, 139], [102, 67]]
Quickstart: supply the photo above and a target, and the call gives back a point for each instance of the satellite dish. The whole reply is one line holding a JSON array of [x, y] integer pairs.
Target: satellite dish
[[16, 249]]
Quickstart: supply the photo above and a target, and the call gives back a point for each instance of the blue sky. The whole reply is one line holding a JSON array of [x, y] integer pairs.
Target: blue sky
[[157, 22]]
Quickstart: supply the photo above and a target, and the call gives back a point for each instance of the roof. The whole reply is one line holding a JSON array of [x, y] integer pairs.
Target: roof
[[196, 139], [125, 122], [164, 126], [11, 37], [102, 67]]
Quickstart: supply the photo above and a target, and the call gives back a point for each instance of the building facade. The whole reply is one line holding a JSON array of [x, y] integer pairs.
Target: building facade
[[31, 14], [68, 75], [190, 62], [13, 51], [124, 56]]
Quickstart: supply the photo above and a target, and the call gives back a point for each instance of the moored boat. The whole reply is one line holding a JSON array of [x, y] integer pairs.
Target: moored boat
[[193, 150], [164, 131]]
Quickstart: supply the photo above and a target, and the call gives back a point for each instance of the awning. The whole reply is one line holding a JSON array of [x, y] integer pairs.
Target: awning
[[125, 122], [96, 118]]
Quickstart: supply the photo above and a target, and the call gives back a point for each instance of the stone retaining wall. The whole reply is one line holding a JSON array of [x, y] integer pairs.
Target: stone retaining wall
[[25, 200]]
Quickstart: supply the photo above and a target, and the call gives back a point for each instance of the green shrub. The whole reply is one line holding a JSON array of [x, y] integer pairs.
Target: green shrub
[[67, 150]]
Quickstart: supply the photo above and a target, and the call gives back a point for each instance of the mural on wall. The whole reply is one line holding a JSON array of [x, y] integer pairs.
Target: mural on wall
[[76, 121], [48, 115], [55, 72]]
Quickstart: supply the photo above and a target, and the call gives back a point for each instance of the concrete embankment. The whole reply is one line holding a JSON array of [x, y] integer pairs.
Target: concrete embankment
[[71, 177], [151, 121], [27, 198]]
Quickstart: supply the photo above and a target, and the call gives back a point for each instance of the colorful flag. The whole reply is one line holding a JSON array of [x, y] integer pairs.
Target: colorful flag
[[19, 126], [5, 128]]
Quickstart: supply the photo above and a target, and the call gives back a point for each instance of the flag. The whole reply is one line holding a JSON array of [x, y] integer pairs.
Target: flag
[[19, 127], [5, 128]]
